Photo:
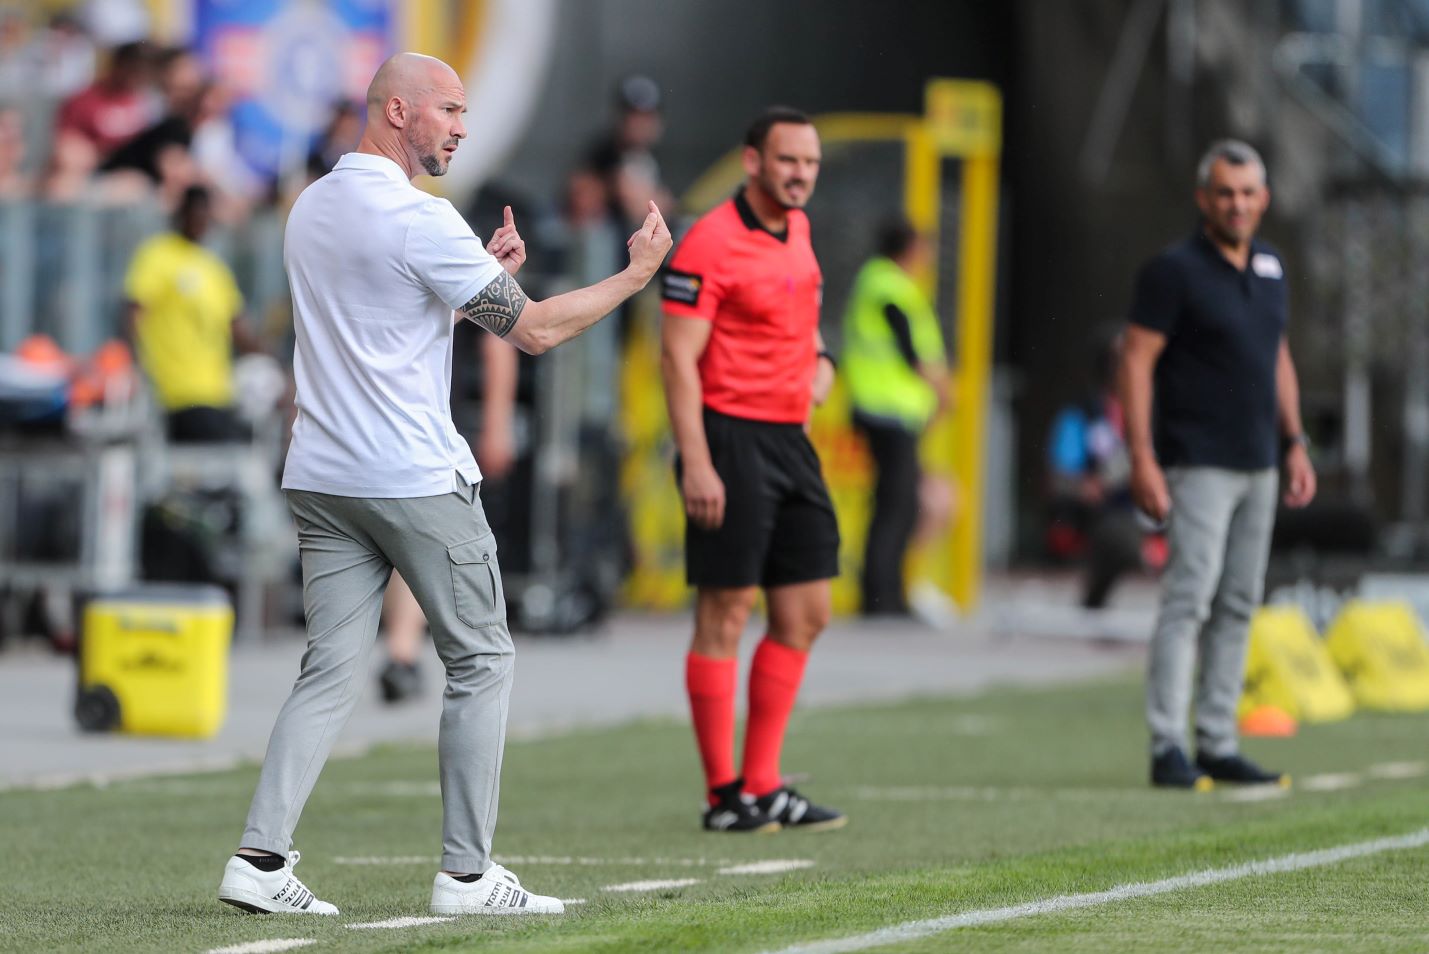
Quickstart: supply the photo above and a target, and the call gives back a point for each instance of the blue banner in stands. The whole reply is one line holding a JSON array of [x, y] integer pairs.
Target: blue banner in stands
[[287, 65]]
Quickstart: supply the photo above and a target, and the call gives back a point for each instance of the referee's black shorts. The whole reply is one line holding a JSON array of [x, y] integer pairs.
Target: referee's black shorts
[[779, 525]]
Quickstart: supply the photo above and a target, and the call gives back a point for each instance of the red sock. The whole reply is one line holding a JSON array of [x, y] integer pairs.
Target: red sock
[[774, 679], [711, 684]]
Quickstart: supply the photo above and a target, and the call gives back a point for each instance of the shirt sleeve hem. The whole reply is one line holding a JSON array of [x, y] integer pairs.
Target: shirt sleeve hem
[[684, 311], [472, 291]]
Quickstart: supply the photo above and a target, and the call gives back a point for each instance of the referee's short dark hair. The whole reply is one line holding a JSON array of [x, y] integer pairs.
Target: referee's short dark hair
[[771, 117], [895, 237]]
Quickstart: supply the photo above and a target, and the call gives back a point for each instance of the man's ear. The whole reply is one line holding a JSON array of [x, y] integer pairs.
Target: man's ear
[[397, 111], [750, 160]]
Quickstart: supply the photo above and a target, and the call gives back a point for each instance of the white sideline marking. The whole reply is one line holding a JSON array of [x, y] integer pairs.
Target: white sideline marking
[[541, 860], [1398, 770], [45, 783], [395, 789], [772, 866], [1256, 793], [399, 923], [974, 793], [973, 724], [1298, 861], [929, 793], [594, 862], [652, 885], [264, 947], [196, 766], [573, 900], [1332, 781]]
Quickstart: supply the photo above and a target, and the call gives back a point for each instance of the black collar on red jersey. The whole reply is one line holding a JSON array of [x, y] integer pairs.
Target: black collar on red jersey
[[751, 221]]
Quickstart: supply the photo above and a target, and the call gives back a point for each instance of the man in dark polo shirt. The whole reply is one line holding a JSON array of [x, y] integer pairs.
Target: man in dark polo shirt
[[743, 362], [1207, 340]]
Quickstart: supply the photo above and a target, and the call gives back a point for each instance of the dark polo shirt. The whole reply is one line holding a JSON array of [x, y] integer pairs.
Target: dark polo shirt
[[1215, 380]]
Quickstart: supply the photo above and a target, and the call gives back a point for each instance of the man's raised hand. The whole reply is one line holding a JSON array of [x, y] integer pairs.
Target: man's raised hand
[[650, 245], [506, 244]]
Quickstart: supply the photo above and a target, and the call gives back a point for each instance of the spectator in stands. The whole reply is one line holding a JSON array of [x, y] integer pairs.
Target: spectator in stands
[[625, 156], [587, 198], [185, 317], [111, 110], [52, 64], [1092, 515], [14, 184], [343, 130], [163, 152], [65, 55], [180, 78], [237, 185], [113, 22], [15, 62]]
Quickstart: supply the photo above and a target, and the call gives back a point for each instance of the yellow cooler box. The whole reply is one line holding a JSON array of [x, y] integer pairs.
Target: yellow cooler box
[[154, 661]]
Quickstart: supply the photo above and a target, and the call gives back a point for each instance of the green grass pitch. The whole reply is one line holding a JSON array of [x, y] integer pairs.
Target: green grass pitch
[[956, 805]]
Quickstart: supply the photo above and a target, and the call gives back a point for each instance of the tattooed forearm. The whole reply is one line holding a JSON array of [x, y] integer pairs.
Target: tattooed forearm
[[497, 306]]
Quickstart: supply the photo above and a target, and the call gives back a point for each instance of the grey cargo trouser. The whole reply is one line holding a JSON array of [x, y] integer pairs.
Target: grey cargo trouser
[[444, 549], [1219, 544]]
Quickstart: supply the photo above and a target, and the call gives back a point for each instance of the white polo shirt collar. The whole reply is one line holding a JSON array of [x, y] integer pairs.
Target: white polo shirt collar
[[368, 160]]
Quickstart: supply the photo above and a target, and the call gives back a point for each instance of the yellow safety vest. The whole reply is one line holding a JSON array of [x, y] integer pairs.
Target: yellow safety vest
[[879, 378]]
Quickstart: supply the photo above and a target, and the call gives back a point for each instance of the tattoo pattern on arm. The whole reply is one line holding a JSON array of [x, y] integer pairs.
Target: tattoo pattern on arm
[[497, 306]]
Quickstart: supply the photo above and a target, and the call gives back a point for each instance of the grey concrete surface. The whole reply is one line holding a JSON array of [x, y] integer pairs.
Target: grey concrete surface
[[633, 667]]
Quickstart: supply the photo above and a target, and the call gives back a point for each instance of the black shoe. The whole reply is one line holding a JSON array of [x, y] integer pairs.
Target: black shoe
[[735, 811], [1240, 770], [1171, 770], [400, 681], [793, 810]]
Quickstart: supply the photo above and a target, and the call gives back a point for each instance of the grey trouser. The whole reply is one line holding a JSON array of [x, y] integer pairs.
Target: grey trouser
[[1219, 543], [444, 549]]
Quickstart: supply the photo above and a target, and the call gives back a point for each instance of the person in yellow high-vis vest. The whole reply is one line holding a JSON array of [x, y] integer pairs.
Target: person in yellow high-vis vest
[[896, 370]]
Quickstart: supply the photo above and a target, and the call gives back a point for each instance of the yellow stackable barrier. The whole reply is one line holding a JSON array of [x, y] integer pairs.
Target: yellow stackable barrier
[[154, 661], [1287, 667], [1380, 648]]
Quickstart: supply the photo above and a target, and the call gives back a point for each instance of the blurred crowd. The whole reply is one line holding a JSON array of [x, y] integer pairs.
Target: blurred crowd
[[137, 120]]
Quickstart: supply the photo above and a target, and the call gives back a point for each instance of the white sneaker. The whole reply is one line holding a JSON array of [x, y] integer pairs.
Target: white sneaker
[[269, 892], [932, 607], [495, 892]]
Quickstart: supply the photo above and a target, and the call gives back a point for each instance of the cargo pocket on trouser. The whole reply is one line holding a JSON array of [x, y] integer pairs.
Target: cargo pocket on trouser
[[476, 581]]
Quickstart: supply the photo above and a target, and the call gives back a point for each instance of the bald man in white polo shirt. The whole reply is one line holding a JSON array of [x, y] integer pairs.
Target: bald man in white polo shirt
[[378, 478]]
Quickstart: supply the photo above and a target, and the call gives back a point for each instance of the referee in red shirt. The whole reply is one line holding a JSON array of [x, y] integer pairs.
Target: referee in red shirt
[[743, 362]]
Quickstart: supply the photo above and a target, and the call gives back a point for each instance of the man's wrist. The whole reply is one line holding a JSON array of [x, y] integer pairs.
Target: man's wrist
[[702, 462], [637, 276], [1288, 442]]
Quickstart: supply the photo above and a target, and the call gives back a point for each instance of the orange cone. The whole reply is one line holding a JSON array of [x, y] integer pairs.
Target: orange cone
[[1268, 722]]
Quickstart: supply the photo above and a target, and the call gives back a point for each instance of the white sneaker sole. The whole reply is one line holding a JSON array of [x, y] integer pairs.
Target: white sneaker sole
[[255, 903], [768, 828], [457, 910], [833, 824]]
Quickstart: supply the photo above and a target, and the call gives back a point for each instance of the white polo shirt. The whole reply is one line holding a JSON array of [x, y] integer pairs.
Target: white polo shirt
[[376, 268]]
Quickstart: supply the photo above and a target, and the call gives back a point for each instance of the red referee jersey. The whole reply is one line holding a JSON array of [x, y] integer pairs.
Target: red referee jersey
[[760, 291]]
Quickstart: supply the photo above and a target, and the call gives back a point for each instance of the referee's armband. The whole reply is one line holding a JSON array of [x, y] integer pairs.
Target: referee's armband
[[681, 287]]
